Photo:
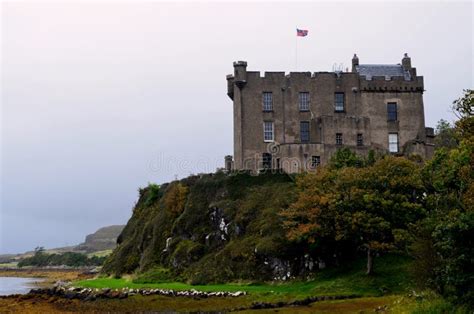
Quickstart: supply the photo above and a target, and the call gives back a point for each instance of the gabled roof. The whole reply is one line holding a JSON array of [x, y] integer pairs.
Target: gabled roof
[[387, 70]]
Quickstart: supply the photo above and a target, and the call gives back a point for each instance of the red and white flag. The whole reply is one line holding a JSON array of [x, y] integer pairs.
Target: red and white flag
[[301, 32]]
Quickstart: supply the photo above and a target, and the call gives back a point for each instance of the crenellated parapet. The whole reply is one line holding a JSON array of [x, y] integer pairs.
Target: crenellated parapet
[[391, 84]]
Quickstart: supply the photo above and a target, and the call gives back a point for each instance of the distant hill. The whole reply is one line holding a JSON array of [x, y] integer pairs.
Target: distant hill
[[103, 239]]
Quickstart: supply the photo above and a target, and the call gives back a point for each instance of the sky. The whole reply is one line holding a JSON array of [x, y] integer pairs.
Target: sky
[[101, 98]]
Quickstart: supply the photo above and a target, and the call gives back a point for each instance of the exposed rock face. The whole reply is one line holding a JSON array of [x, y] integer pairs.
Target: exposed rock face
[[103, 239]]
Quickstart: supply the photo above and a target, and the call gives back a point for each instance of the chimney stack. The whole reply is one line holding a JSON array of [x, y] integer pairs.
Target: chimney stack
[[355, 62], [406, 62]]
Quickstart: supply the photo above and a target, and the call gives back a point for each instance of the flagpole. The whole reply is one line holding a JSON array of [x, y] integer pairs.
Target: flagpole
[[296, 50]]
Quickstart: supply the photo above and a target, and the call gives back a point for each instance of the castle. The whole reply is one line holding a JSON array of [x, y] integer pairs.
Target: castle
[[296, 122]]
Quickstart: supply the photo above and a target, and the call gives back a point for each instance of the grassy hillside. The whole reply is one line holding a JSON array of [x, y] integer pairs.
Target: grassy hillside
[[209, 228]]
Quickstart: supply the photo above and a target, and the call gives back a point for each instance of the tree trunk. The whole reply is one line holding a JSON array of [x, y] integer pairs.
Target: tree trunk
[[370, 261]]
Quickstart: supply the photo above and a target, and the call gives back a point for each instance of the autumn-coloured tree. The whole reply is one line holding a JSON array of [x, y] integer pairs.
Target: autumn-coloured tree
[[175, 198], [369, 207]]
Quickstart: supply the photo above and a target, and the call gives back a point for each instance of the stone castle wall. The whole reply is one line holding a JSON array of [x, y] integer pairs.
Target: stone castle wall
[[365, 113]]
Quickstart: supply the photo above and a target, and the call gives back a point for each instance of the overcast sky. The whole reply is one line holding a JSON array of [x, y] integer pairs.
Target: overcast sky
[[100, 99]]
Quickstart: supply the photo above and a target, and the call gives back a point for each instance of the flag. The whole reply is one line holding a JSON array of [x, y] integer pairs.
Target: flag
[[301, 32]]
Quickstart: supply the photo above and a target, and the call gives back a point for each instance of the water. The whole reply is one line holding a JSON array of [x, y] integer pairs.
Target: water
[[16, 285]]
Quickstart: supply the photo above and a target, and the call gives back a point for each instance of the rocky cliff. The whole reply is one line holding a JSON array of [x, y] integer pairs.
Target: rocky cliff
[[210, 228]]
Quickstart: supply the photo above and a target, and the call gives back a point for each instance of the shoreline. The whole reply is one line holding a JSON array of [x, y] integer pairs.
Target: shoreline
[[48, 276], [44, 303]]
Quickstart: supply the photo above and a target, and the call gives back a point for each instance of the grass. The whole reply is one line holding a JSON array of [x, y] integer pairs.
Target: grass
[[100, 253], [9, 265], [390, 277]]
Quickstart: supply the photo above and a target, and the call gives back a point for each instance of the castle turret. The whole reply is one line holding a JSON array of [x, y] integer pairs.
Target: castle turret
[[355, 62], [240, 73], [228, 165]]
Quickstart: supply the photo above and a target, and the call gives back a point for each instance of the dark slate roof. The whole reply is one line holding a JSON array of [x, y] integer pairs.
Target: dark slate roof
[[387, 70]]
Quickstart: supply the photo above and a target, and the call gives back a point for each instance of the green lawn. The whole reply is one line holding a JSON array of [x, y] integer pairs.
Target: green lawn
[[390, 277]]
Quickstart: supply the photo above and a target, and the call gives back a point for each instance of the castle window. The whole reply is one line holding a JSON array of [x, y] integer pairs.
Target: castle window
[[304, 101], [393, 142], [304, 131], [267, 101], [339, 102], [315, 161], [360, 139], [266, 160], [392, 111], [338, 138], [268, 131]]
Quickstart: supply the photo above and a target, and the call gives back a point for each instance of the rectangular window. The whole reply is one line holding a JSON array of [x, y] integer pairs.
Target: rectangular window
[[339, 102], [315, 161], [267, 160], [393, 142], [360, 139], [338, 138], [267, 101], [304, 131], [392, 111], [304, 101], [268, 131]]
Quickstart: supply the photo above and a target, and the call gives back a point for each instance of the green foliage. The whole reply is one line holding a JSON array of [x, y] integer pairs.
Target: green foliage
[[454, 241], [186, 252], [390, 276], [368, 208], [446, 136], [154, 275], [153, 192], [371, 158], [443, 241], [345, 157], [464, 106], [72, 259]]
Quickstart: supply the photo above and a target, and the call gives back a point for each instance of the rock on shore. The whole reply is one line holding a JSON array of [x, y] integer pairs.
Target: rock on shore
[[89, 294]]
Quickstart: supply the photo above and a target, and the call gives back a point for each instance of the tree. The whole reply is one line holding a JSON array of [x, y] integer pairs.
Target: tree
[[446, 136], [344, 157], [443, 246], [368, 208], [175, 198]]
